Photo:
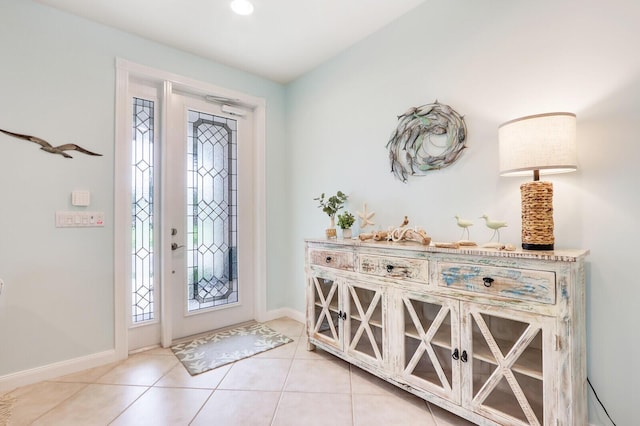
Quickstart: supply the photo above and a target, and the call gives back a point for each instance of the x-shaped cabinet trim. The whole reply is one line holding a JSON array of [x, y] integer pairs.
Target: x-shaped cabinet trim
[[365, 318], [425, 342], [505, 363], [324, 304]]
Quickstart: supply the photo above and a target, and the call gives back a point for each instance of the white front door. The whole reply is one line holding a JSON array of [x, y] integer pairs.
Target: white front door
[[189, 213], [207, 202]]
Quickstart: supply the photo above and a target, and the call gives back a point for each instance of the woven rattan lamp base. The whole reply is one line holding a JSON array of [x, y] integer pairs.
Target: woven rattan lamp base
[[537, 215]]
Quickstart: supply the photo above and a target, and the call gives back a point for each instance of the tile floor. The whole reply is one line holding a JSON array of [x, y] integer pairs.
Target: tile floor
[[284, 386]]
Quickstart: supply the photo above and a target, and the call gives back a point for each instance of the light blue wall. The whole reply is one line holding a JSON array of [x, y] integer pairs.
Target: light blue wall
[[492, 61], [57, 81]]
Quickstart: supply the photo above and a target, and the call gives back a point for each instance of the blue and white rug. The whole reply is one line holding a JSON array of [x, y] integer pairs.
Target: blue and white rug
[[217, 349]]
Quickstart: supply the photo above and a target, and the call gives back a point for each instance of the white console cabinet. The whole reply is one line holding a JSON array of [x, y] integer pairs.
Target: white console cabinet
[[493, 336]]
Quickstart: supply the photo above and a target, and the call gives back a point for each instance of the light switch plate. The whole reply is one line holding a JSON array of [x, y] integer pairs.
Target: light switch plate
[[79, 219]]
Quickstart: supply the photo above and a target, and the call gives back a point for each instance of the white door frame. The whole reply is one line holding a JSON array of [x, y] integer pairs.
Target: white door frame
[[125, 70]]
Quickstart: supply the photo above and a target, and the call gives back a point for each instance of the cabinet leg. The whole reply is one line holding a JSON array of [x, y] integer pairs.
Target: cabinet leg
[[311, 346]]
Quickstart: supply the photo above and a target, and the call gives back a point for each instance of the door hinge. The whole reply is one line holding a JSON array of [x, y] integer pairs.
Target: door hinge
[[558, 343]]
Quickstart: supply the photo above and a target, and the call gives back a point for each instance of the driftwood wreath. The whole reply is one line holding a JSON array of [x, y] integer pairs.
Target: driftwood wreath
[[428, 137]]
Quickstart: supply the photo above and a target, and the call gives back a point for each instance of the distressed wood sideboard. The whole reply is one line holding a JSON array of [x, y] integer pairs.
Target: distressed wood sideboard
[[495, 337]]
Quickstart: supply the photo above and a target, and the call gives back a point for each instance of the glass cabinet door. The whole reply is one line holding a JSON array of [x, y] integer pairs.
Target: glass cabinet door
[[505, 362], [326, 315], [365, 330], [430, 351]]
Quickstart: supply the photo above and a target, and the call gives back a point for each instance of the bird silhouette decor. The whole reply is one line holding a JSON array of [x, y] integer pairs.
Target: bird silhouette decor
[[46, 146], [495, 225]]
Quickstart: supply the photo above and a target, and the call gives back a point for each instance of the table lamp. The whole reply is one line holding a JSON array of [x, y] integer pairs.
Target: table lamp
[[542, 144]]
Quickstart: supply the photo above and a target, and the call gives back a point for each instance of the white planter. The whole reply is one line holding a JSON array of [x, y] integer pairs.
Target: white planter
[[347, 234]]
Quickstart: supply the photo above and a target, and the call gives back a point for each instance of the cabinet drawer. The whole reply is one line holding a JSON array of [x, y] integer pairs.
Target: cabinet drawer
[[395, 267], [521, 284], [332, 259]]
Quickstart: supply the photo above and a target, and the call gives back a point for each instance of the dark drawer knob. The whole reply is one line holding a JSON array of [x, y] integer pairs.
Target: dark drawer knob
[[464, 357], [389, 268], [455, 355], [487, 281], [328, 259]]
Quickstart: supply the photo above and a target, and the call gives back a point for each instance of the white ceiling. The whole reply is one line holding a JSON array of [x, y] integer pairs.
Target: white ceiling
[[282, 40]]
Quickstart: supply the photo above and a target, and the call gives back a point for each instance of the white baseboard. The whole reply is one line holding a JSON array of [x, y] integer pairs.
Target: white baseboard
[[284, 312], [51, 371]]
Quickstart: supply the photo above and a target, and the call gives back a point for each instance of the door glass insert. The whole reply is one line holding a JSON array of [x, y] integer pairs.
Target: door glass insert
[[365, 316], [325, 307], [212, 277], [427, 342], [142, 209], [507, 367]]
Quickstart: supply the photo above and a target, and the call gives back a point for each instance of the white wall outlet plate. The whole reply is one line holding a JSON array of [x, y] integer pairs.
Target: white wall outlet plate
[[79, 219]]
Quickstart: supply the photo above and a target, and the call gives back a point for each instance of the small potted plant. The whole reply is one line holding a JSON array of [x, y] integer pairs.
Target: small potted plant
[[331, 206], [345, 221]]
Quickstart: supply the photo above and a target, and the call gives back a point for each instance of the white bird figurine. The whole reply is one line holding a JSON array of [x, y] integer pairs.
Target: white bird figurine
[[464, 224], [46, 146], [493, 224]]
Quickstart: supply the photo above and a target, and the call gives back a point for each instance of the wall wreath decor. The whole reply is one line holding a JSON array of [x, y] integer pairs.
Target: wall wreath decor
[[428, 137]]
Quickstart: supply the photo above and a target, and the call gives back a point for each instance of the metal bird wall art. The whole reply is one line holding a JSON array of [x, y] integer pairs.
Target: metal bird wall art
[[428, 137], [46, 146]]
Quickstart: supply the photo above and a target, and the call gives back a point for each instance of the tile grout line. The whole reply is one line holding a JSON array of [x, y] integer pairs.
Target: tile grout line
[[61, 402], [139, 396], [130, 405], [286, 380], [213, 391], [86, 385]]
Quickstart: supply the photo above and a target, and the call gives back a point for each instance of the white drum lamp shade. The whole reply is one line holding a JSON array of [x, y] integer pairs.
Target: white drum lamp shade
[[535, 145]]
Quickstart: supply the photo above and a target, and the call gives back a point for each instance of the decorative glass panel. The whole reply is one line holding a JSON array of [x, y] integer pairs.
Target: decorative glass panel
[[325, 308], [365, 316], [211, 211], [142, 204], [507, 367], [427, 344]]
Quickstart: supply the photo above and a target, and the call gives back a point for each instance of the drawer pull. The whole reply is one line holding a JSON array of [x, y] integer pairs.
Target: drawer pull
[[328, 260], [455, 355], [463, 357], [389, 268], [487, 281]]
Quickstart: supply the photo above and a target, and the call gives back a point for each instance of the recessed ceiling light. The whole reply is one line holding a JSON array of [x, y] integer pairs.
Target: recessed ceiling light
[[242, 7]]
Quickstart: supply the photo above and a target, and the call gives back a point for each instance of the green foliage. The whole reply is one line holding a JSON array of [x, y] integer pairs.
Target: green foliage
[[332, 204], [345, 220]]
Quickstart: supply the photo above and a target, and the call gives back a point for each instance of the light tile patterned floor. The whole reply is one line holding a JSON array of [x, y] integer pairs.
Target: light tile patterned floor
[[284, 386]]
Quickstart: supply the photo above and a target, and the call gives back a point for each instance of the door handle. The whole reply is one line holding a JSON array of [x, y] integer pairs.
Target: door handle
[[175, 246]]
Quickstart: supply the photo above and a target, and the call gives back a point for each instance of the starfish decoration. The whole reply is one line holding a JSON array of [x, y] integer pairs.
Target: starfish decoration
[[365, 217], [46, 146]]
